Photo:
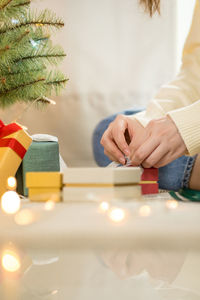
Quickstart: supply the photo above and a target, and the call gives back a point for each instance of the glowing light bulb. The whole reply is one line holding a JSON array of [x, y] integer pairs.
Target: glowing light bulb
[[54, 292], [11, 183], [91, 197], [145, 211], [24, 217], [10, 261], [35, 44], [171, 204], [104, 206], [10, 202], [49, 205], [50, 101], [117, 214], [14, 21]]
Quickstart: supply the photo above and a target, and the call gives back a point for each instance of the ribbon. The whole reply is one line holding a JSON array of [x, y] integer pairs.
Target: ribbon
[[6, 130], [107, 185], [11, 143]]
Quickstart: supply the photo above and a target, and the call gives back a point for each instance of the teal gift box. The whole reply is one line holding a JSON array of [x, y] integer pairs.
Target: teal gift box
[[42, 156]]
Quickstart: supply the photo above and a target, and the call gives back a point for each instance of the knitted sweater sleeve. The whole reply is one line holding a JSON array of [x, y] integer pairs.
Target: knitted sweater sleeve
[[180, 99]]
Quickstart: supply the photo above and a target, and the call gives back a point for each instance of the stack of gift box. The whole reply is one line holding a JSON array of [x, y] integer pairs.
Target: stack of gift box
[[40, 179], [86, 184]]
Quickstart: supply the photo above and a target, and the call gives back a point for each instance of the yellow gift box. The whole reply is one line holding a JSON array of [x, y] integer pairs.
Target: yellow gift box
[[14, 142], [44, 186]]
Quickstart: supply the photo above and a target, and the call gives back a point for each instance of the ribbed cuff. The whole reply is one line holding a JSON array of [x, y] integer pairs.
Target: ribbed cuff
[[187, 120]]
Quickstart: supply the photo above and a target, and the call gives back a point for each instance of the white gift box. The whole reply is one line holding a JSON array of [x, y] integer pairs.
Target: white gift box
[[96, 184]]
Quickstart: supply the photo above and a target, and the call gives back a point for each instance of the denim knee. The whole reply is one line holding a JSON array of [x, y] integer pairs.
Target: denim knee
[[176, 175]]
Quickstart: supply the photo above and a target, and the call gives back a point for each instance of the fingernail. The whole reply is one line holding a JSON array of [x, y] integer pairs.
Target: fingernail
[[122, 161], [127, 152]]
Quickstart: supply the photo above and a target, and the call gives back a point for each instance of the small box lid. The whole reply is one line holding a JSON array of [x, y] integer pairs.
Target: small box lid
[[102, 175], [44, 179]]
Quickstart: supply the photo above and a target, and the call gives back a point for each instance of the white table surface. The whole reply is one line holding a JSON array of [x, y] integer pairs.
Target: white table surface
[[78, 253], [82, 225]]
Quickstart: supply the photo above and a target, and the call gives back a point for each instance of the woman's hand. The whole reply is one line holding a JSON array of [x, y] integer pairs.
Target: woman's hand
[[163, 144], [118, 135]]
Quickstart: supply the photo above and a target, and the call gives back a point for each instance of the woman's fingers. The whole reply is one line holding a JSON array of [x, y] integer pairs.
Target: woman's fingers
[[144, 151], [114, 141], [168, 157], [155, 157], [114, 158], [111, 149]]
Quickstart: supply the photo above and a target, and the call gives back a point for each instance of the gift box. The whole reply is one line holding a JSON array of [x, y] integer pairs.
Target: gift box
[[42, 156], [14, 142], [85, 184], [44, 186], [149, 181]]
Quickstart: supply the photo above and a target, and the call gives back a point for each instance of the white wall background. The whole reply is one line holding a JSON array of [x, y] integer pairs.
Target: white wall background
[[184, 14], [117, 57]]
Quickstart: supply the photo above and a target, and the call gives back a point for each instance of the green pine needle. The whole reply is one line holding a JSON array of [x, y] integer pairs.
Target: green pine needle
[[27, 53]]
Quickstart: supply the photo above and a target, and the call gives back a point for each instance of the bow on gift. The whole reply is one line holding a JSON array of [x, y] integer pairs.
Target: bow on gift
[[12, 143]]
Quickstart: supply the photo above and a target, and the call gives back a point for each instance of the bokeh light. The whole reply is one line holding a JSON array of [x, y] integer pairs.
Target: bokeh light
[[11, 183], [49, 205], [117, 214], [54, 292], [91, 197], [10, 261], [171, 204], [145, 211], [10, 202], [104, 206], [24, 217]]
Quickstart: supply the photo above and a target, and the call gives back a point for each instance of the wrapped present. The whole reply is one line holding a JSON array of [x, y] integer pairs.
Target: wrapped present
[[14, 142], [149, 181], [83, 184], [44, 186], [42, 156], [149, 177]]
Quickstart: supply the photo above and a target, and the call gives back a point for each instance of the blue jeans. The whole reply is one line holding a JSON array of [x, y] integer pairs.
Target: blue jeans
[[173, 176]]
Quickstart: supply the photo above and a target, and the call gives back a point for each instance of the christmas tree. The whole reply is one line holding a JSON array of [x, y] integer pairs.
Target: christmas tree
[[28, 59]]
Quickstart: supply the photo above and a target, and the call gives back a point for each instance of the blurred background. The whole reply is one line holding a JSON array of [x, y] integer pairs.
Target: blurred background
[[117, 58]]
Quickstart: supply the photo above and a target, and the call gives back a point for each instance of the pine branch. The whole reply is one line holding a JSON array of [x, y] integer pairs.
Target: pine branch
[[26, 52], [46, 18], [12, 9], [36, 23], [3, 6], [26, 3], [6, 48], [46, 56], [57, 82], [6, 92]]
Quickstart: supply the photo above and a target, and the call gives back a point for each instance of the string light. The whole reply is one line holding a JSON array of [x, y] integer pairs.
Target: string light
[[39, 24], [104, 206], [10, 261], [54, 292], [49, 205], [145, 211], [35, 44], [24, 217], [11, 183], [171, 204], [117, 214], [91, 197], [14, 21], [50, 101], [10, 202]]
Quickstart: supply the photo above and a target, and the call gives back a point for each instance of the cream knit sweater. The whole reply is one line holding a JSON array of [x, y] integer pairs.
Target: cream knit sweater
[[180, 99]]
